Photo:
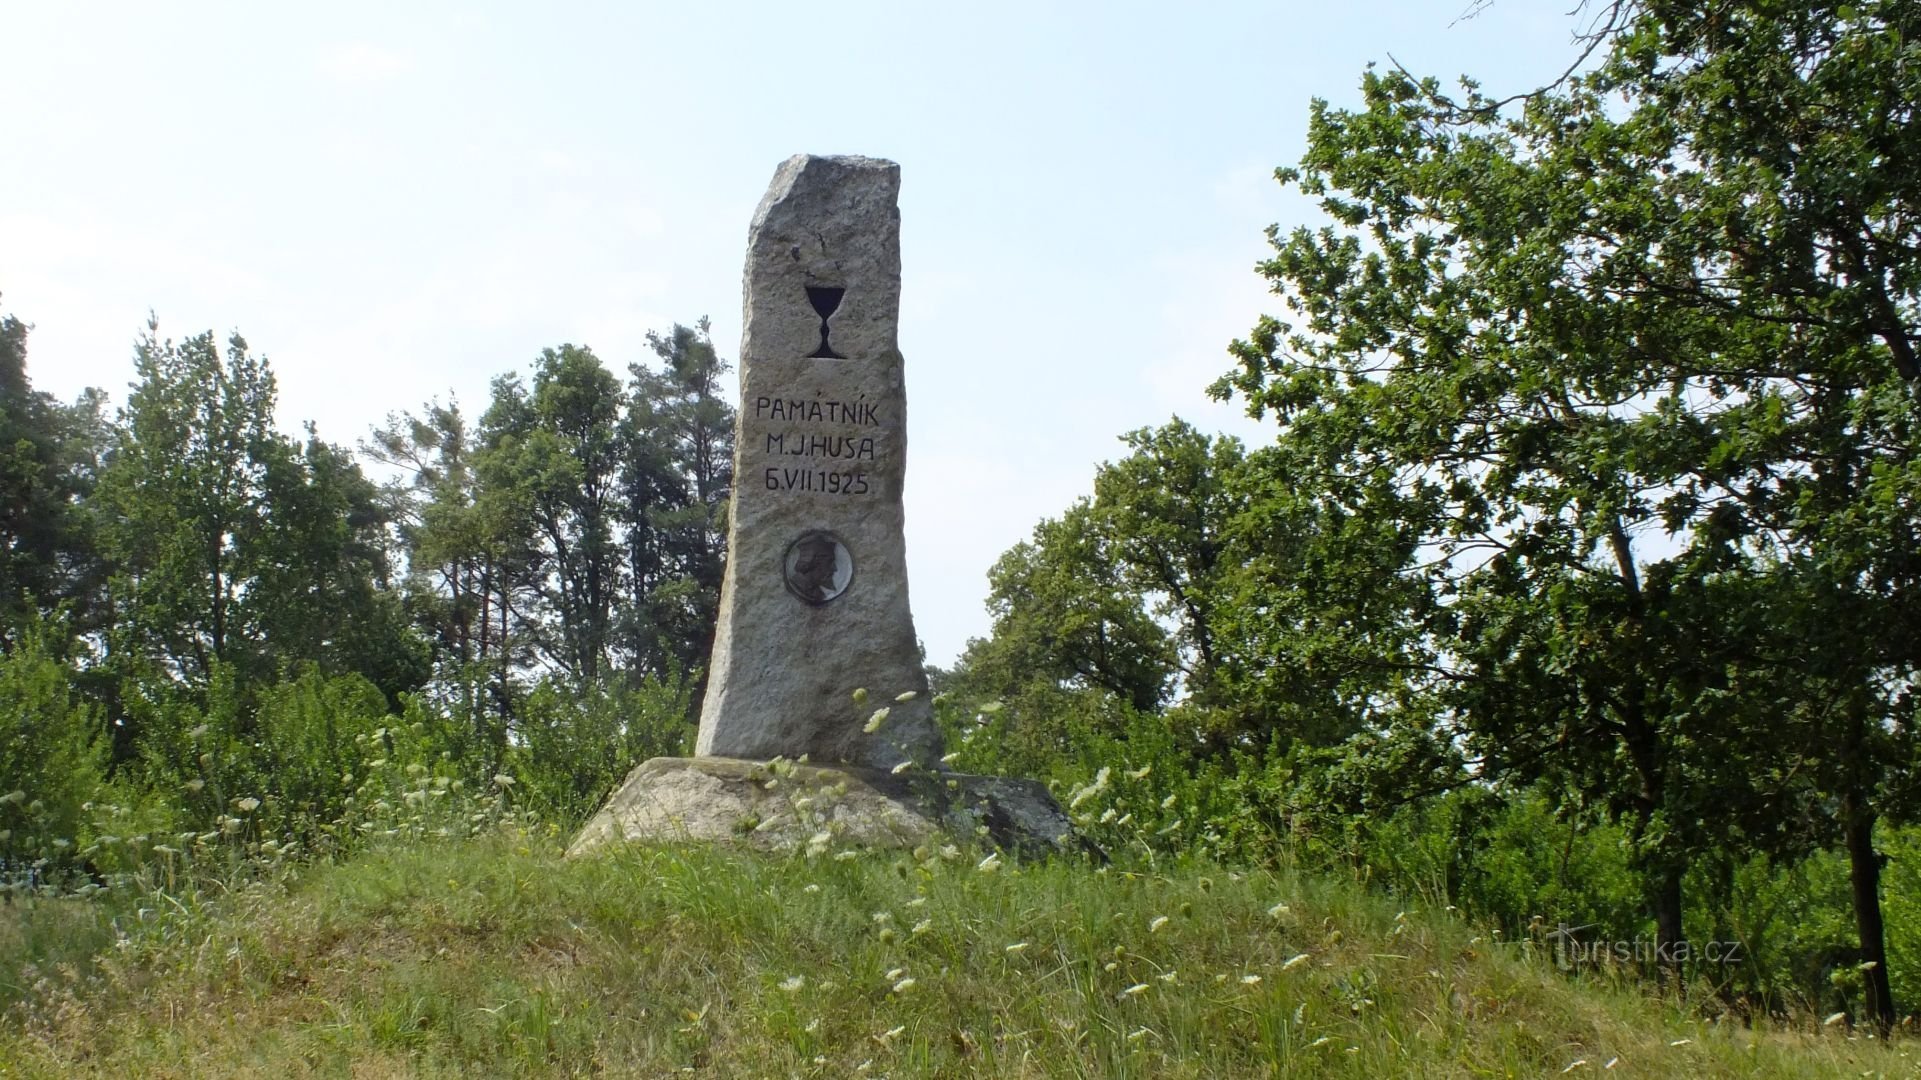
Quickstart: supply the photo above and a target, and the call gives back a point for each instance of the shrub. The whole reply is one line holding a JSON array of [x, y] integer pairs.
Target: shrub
[[51, 759]]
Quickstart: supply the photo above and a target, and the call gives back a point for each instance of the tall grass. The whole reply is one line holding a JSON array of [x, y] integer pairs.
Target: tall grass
[[492, 955]]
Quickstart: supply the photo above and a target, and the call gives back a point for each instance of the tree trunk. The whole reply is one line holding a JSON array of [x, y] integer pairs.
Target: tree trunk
[[1864, 874], [1670, 941]]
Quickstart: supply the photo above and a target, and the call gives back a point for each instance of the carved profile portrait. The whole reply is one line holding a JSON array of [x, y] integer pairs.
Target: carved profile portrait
[[817, 567]]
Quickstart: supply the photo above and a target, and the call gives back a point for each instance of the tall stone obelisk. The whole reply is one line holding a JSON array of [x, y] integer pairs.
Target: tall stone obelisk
[[814, 602]]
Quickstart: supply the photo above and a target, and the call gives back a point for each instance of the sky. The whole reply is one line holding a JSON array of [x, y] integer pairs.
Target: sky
[[396, 202]]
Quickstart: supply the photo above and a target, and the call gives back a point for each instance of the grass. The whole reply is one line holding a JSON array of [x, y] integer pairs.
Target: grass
[[496, 956]]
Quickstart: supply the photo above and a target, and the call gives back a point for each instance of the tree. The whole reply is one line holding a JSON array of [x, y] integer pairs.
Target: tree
[[1166, 509], [48, 459], [1798, 226], [183, 501], [677, 475], [550, 466], [1198, 575], [324, 590], [1633, 348], [1061, 615], [463, 564], [234, 549], [577, 533]]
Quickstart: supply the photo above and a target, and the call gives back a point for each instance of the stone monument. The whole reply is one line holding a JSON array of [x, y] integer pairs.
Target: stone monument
[[817, 720], [814, 602]]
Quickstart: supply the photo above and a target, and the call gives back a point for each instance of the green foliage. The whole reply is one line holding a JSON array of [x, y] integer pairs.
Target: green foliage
[[309, 741], [235, 550], [1637, 353], [551, 464], [1061, 617], [182, 500], [572, 747], [192, 744], [52, 756], [676, 477], [578, 530], [48, 464], [1197, 570]]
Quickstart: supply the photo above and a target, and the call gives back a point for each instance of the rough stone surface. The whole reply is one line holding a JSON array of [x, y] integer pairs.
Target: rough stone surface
[[814, 601], [786, 806]]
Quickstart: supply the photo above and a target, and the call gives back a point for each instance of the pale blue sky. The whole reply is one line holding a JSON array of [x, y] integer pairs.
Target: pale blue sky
[[399, 201]]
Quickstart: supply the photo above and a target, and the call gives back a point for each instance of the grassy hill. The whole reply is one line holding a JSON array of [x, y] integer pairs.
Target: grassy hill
[[495, 956]]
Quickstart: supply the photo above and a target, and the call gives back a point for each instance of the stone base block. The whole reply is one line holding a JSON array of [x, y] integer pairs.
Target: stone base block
[[783, 805]]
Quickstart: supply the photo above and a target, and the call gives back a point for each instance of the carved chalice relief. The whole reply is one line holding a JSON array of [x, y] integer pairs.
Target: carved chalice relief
[[826, 301], [817, 567]]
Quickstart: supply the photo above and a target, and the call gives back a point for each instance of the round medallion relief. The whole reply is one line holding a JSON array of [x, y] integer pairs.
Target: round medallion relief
[[817, 567]]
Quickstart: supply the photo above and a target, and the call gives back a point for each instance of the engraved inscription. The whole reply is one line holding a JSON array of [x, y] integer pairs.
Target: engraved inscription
[[800, 456], [816, 412], [825, 481]]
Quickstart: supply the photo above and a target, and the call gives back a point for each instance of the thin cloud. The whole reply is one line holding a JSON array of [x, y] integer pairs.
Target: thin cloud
[[363, 63]]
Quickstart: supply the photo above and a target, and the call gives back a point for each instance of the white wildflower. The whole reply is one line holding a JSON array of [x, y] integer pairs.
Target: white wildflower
[[1087, 792], [906, 696], [1295, 961], [875, 721], [1134, 990], [1159, 921]]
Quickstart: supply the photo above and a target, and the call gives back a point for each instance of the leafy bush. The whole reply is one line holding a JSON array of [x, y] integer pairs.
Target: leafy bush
[[572, 746], [51, 758], [310, 737]]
